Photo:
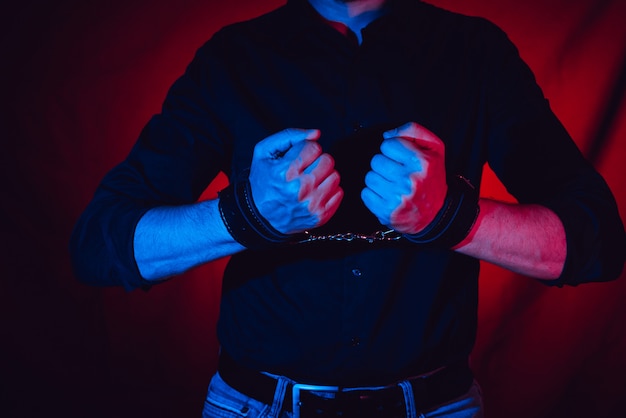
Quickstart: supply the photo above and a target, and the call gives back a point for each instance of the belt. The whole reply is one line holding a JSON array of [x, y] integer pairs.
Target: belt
[[429, 391]]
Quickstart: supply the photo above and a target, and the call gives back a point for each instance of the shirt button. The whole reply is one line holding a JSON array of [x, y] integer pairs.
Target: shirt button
[[357, 272], [355, 341], [356, 126]]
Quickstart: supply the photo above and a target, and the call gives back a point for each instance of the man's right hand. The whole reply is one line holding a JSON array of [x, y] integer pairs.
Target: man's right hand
[[295, 186]]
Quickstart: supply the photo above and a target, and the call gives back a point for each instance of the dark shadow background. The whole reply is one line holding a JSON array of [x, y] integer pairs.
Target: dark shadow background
[[80, 79]]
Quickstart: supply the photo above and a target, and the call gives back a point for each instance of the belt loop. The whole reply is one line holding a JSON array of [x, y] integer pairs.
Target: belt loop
[[409, 400], [279, 396]]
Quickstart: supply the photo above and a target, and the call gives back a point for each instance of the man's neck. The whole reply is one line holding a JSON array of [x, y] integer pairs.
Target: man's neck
[[355, 14]]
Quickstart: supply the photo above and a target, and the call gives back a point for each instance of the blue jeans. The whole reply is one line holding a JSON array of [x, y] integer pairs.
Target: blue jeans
[[223, 401]]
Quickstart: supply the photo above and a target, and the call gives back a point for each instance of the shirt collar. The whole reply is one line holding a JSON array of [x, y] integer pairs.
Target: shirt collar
[[305, 18]]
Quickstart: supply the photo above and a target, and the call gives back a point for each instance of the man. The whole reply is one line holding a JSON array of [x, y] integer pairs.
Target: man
[[354, 134]]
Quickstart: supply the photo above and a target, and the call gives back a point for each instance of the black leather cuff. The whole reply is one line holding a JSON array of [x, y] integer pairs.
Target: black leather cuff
[[243, 220], [455, 219]]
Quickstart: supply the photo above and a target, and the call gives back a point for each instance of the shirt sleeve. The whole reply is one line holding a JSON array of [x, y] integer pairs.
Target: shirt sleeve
[[176, 156], [538, 162]]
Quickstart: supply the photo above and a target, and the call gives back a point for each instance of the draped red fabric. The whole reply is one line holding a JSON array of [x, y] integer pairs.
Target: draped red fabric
[[79, 80]]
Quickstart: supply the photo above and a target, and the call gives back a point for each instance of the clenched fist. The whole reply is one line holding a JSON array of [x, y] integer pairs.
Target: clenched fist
[[406, 186], [295, 186]]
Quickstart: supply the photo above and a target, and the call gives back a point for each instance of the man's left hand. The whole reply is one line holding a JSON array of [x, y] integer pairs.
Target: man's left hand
[[406, 186]]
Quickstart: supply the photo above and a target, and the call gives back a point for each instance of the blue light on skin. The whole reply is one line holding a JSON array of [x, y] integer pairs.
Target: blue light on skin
[[355, 14], [406, 185], [294, 184]]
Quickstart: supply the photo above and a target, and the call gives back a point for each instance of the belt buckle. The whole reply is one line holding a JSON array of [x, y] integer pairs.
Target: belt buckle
[[298, 387]]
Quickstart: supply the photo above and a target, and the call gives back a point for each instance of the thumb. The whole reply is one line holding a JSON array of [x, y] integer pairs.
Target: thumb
[[276, 145], [415, 133]]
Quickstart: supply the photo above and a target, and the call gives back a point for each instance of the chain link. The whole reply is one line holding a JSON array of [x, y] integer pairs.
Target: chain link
[[388, 235]]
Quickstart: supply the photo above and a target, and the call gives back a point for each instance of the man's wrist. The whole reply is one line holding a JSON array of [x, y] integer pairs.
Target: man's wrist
[[243, 220], [455, 219]]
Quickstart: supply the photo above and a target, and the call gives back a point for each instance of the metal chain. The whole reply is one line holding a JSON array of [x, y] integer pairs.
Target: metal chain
[[389, 235]]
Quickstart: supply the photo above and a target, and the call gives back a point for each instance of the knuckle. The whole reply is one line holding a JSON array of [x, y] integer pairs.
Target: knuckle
[[328, 159], [289, 132], [412, 128], [376, 160], [292, 187], [313, 147], [412, 125], [334, 176], [387, 145], [307, 181]]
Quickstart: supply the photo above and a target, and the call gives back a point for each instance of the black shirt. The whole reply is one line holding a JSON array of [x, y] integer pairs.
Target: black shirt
[[352, 313]]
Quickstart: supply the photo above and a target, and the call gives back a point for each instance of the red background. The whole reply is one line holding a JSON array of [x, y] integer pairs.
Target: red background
[[79, 80]]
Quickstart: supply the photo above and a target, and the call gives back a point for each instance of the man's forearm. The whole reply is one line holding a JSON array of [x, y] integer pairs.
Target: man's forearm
[[526, 239], [171, 240]]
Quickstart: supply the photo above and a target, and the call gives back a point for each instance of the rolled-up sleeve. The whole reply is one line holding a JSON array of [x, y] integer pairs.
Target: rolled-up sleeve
[[596, 244], [538, 162], [178, 153]]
